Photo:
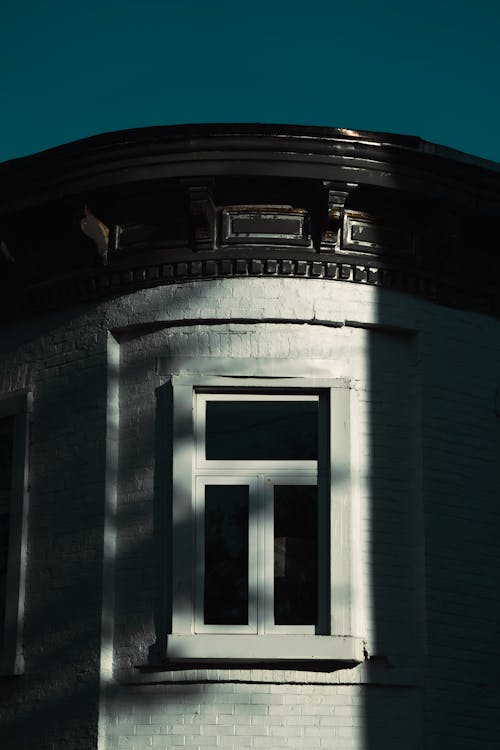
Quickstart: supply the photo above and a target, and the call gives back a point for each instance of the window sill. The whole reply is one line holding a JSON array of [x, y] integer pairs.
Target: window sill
[[283, 647], [373, 672]]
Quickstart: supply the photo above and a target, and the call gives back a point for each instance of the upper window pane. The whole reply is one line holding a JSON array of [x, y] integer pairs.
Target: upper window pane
[[251, 430]]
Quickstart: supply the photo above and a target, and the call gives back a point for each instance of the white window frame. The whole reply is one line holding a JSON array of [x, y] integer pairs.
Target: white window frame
[[266, 570], [18, 405], [332, 639], [201, 463]]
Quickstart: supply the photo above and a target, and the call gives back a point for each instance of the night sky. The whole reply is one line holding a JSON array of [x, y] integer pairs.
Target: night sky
[[69, 69]]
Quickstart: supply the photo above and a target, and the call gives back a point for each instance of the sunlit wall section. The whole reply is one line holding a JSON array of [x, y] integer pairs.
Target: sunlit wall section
[[300, 700]]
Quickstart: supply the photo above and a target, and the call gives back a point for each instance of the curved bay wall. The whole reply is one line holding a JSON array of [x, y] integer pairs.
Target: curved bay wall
[[270, 252], [424, 382]]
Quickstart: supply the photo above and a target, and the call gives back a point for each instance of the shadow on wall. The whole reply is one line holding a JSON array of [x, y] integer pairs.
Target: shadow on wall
[[412, 392], [392, 714], [434, 524], [55, 701]]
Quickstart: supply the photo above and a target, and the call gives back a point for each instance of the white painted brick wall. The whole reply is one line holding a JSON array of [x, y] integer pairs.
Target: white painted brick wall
[[448, 373], [239, 715]]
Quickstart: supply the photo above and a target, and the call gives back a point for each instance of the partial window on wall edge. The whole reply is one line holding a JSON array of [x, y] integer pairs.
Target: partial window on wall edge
[[15, 409]]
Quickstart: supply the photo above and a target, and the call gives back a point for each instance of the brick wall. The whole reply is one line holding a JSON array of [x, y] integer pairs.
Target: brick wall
[[427, 480], [238, 715], [55, 701]]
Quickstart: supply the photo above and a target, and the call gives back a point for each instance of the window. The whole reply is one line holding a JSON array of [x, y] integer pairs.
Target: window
[[260, 509], [14, 413]]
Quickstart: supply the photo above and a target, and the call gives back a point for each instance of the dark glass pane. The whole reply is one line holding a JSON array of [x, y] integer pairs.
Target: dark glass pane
[[295, 554], [262, 430], [226, 555]]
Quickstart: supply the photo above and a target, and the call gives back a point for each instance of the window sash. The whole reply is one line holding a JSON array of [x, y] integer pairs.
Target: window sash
[[267, 572], [260, 551], [199, 407], [253, 559]]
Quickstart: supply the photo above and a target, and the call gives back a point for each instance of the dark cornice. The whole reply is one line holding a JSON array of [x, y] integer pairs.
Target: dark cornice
[[396, 161], [373, 208]]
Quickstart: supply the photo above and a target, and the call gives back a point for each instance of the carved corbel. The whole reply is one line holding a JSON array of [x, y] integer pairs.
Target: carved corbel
[[97, 231], [202, 214], [338, 193]]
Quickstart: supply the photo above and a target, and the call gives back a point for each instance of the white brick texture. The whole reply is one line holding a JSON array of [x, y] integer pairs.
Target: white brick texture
[[425, 440]]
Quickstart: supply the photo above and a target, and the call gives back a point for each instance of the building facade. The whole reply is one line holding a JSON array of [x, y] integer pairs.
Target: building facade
[[250, 422]]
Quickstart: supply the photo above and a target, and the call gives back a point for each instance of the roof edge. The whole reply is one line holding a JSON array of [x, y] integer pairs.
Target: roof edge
[[158, 133]]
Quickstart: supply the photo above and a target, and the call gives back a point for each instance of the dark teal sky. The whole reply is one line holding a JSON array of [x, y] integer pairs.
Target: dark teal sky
[[73, 69]]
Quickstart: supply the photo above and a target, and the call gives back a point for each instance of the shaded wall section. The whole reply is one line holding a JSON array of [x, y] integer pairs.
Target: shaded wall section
[[62, 359], [453, 437]]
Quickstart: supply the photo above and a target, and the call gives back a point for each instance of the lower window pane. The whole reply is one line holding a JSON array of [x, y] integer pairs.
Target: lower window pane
[[295, 554], [226, 555]]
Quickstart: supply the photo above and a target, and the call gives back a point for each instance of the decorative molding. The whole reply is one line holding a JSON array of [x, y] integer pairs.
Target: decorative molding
[[368, 235], [219, 201], [202, 214], [338, 194], [109, 283], [142, 236], [279, 225]]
